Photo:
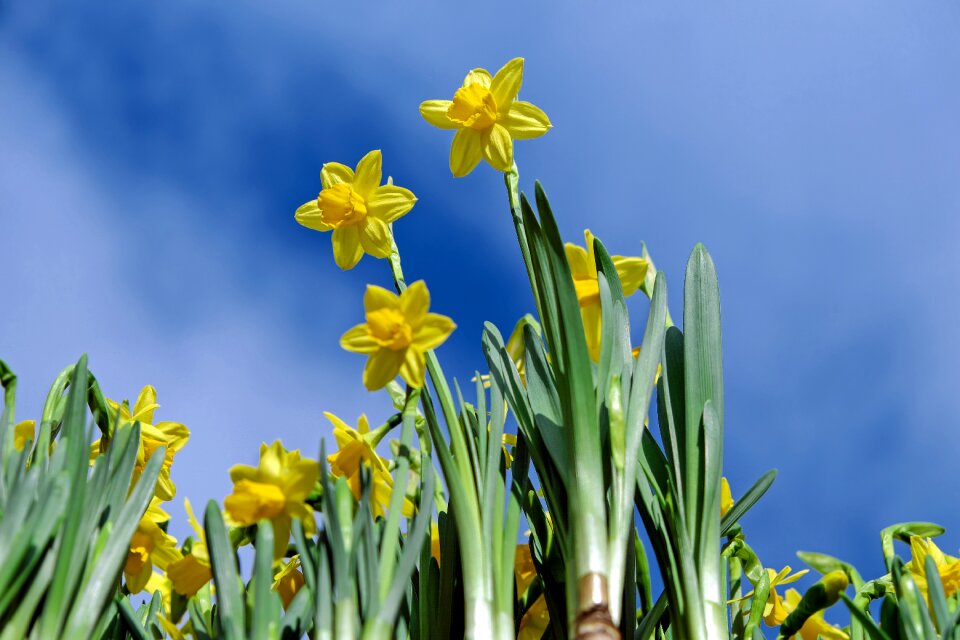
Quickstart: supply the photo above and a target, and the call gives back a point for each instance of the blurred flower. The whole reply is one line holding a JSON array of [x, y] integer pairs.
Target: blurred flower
[[815, 627], [288, 580], [192, 571], [171, 435], [583, 267], [357, 208], [948, 567], [276, 490], [24, 432], [537, 618], [397, 334], [726, 497], [488, 118], [150, 547]]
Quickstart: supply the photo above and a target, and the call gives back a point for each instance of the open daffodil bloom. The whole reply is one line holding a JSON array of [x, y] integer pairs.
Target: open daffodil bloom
[[488, 118], [397, 334], [357, 208]]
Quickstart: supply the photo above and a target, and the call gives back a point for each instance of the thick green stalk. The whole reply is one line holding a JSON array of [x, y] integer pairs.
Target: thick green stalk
[[512, 180]]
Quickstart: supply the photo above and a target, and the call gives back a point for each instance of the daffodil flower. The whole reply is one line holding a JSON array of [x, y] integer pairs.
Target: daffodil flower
[[192, 571], [774, 612], [397, 334], [488, 118], [583, 267], [815, 627], [288, 580], [150, 547], [171, 435], [947, 566], [276, 490], [537, 617], [726, 497], [23, 433], [357, 208]]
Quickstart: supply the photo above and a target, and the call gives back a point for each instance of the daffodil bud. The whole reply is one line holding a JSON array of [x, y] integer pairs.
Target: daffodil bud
[[820, 596]]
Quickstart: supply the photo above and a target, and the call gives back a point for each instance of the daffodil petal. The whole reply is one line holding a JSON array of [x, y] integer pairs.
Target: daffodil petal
[[368, 173], [335, 173], [414, 302], [375, 298], [357, 340], [632, 272], [498, 148], [389, 202], [578, 259], [478, 76], [524, 121], [346, 247], [434, 329], [375, 237], [382, 367], [413, 368], [310, 215], [435, 112], [592, 329], [506, 84], [466, 152]]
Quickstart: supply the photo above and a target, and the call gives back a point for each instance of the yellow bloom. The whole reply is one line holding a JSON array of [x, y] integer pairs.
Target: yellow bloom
[[583, 267], [22, 433], [192, 571], [276, 490], [397, 334], [948, 567], [435, 541], [357, 208], [726, 498], [288, 580], [815, 627], [537, 618], [774, 612], [488, 118], [150, 547], [356, 446], [171, 435]]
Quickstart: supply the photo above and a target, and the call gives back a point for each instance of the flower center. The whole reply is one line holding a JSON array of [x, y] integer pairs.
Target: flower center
[[341, 206], [390, 328], [140, 548], [473, 106], [252, 501]]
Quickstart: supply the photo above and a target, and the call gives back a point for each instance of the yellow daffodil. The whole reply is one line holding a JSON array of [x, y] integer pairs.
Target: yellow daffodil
[[24, 432], [537, 618], [357, 208], [583, 267], [397, 334], [726, 497], [947, 566], [150, 547], [189, 573], [356, 446], [288, 580], [774, 612], [488, 118], [435, 541], [171, 435], [815, 627], [276, 490]]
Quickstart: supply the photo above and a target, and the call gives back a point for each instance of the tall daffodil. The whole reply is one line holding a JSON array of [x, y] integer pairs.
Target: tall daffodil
[[583, 267], [171, 435], [357, 208], [488, 118], [150, 547], [397, 334], [815, 627], [189, 573], [276, 490], [948, 567]]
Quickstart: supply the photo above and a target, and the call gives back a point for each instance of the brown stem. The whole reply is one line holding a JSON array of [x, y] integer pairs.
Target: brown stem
[[593, 621]]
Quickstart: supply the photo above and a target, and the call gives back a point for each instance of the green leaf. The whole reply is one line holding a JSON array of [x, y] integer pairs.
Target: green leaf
[[745, 502], [223, 562], [825, 564], [265, 619]]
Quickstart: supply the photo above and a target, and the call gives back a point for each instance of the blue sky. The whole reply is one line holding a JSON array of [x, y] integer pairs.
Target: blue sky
[[151, 158]]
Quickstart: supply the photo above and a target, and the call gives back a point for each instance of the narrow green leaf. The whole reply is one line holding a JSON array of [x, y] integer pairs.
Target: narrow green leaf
[[746, 501], [263, 614], [223, 561]]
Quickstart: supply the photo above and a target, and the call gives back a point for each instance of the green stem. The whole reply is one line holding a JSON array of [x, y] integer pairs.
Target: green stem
[[512, 180]]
